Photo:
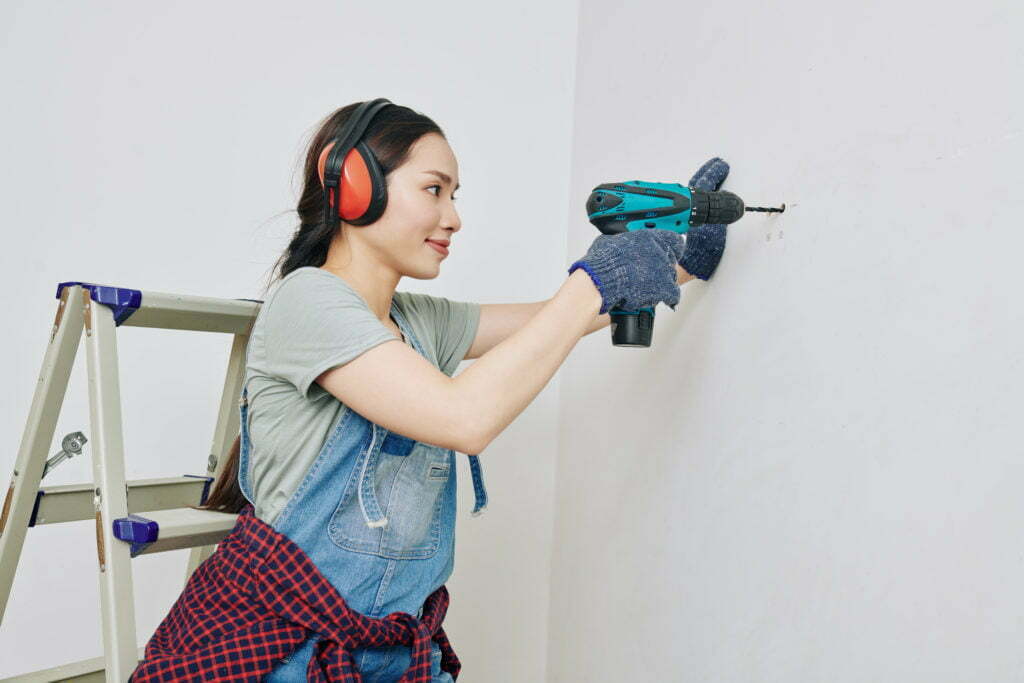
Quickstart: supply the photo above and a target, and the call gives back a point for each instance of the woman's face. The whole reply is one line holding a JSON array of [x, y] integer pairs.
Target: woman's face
[[420, 208]]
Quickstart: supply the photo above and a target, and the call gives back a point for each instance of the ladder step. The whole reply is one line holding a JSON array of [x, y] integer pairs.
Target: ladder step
[[173, 529], [73, 502], [93, 669], [142, 308]]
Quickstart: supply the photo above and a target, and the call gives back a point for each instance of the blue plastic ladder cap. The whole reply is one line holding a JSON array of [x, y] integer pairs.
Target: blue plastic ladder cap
[[121, 300], [136, 529]]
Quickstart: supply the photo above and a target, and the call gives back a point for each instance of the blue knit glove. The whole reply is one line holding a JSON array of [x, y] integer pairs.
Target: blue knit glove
[[635, 269], [705, 243]]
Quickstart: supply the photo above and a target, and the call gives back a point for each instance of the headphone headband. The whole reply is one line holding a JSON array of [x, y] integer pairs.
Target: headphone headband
[[349, 136]]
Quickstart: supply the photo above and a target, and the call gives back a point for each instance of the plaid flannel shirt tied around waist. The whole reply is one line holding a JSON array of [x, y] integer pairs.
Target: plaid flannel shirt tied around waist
[[258, 597]]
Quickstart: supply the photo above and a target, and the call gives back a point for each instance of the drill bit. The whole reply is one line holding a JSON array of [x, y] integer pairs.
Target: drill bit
[[768, 209]]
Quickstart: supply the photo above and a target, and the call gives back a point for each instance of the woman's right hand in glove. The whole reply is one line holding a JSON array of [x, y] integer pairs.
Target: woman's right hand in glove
[[636, 269]]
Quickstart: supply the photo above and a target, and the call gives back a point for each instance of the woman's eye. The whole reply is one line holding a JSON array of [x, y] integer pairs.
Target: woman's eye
[[439, 192]]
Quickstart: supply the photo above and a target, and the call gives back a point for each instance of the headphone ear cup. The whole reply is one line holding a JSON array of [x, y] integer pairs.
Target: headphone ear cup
[[363, 187]]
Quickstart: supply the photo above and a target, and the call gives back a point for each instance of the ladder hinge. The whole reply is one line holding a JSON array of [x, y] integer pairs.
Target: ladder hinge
[[99, 540], [7, 508]]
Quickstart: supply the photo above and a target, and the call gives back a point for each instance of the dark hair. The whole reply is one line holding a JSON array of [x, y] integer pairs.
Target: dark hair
[[390, 136]]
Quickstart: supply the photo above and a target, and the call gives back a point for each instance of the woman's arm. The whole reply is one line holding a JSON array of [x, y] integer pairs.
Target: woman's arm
[[394, 386], [499, 385], [498, 321]]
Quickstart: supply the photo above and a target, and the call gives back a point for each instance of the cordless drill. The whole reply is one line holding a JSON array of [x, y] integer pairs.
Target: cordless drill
[[637, 205]]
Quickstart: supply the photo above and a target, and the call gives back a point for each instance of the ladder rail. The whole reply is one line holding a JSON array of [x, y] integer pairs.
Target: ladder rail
[[117, 597], [225, 432], [40, 426]]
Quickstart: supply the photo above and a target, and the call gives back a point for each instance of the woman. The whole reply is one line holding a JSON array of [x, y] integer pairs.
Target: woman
[[344, 469]]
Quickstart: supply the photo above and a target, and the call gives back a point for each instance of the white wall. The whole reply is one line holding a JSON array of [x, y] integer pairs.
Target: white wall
[[153, 146], [814, 472], [810, 475]]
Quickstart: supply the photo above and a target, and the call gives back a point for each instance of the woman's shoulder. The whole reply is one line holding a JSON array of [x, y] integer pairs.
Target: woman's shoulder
[[310, 284], [431, 305], [312, 274], [418, 301], [301, 299], [417, 307]]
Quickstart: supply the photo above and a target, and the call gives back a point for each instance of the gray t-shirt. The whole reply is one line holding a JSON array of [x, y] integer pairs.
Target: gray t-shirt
[[311, 322]]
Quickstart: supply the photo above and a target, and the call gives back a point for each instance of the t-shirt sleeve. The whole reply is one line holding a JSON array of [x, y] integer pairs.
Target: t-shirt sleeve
[[314, 323], [454, 325]]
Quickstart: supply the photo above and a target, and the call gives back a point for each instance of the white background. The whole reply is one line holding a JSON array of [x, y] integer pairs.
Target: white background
[[813, 472]]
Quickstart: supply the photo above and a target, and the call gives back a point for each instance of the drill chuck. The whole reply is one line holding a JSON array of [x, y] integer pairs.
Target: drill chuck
[[715, 208]]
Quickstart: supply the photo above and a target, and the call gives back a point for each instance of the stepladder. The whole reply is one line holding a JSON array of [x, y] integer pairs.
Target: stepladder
[[135, 517]]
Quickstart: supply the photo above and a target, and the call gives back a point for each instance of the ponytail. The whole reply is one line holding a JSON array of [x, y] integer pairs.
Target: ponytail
[[226, 496]]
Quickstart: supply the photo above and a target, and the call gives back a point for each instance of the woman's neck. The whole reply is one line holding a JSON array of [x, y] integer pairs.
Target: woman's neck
[[377, 292], [356, 264]]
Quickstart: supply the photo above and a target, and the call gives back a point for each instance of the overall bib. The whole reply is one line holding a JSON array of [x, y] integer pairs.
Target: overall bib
[[376, 515]]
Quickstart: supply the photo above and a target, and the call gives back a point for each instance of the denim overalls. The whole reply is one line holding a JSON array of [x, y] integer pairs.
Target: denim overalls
[[376, 514]]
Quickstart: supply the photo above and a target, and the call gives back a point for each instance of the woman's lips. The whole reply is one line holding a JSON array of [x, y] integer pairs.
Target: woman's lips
[[440, 248]]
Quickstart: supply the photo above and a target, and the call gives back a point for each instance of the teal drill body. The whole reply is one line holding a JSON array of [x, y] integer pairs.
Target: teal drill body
[[638, 205]]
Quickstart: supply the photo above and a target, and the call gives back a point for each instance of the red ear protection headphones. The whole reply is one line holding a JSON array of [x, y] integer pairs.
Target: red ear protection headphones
[[354, 185]]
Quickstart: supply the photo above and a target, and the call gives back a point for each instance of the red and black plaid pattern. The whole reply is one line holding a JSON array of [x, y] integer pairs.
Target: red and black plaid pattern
[[257, 598]]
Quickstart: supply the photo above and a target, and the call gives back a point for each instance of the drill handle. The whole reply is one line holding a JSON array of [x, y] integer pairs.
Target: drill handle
[[632, 328]]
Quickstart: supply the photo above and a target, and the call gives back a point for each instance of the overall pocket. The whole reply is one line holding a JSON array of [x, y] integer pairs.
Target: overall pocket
[[408, 489]]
